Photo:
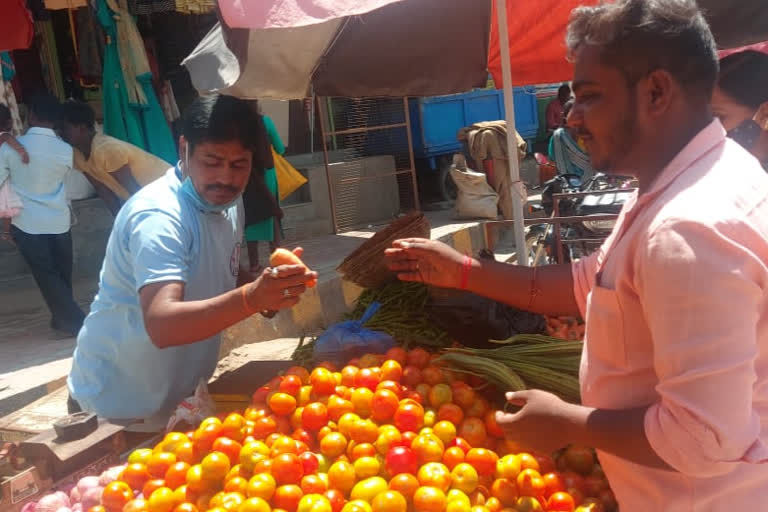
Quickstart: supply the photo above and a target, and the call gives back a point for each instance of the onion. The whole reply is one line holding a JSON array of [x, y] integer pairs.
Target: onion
[[29, 507], [110, 475], [86, 483], [74, 495], [91, 497], [52, 502], [77, 507], [64, 509]]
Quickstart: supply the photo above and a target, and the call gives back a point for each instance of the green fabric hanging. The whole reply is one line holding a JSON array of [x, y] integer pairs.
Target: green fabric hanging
[[141, 124]]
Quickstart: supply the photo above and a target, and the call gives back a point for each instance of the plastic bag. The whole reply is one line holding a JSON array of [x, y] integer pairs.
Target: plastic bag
[[475, 198], [288, 178], [194, 409], [346, 340], [473, 320]]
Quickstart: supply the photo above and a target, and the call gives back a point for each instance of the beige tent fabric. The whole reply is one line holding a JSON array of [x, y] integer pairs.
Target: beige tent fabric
[[488, 141]]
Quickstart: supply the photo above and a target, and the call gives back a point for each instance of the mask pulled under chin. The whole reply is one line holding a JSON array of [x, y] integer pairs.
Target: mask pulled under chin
[[746, 133], [190, 192]]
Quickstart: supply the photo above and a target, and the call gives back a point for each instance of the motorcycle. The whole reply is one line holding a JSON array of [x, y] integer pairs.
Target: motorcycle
[[577, 239]]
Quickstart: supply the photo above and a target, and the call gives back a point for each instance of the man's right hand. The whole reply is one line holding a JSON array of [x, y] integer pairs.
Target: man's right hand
[[426, 261], [279, 288]]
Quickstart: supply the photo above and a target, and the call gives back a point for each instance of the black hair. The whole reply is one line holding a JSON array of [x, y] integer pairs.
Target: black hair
[[640, 36], [220, 118], [744, 77], [45, 106], [78, 113], [564, 90], [5, 115]]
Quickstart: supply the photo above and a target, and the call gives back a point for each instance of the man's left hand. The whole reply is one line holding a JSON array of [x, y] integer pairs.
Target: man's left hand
[[543, 423]]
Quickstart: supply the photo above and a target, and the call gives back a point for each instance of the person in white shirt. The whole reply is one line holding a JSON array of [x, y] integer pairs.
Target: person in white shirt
[[41, 229]]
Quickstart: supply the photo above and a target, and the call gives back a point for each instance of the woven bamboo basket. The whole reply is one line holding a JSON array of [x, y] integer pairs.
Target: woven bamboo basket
[[365, 266]]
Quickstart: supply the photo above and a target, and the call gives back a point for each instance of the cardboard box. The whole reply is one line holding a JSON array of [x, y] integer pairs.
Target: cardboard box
[[20, 489]]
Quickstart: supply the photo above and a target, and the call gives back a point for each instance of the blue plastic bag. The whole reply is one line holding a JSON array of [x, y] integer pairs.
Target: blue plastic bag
[[346, 340]]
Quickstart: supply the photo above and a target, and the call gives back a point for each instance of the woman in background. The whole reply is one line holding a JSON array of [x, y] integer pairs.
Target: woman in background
[[565, 151], [261, 198], [740, 100]]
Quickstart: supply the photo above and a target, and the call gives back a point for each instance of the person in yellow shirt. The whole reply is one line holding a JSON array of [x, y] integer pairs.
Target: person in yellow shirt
[[117, 169]]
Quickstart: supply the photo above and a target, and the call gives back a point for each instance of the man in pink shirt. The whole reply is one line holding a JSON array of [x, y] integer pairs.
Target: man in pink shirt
[[556, 109], [674, 374]]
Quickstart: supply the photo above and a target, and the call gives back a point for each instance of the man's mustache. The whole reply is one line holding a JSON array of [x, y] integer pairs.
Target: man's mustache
[[220, 187]]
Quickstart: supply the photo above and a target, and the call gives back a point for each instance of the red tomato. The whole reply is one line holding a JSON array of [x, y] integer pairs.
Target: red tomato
[[561, 502], [484, 461], [309, 462], [473, 431], [546, 463], [336, 498], [573, 480], [391, 370], [392, 386], [432, 375], [462, 443], [409, 417], [291, 384], [300, 372], [594, 485], [313, 484], [176, 476], [314, 416], [553, 483], [580, 459], [263, 427], [401, 460], [260, 395], [367, 378], [135, 475], [229, 448], [491, 427], [396, 354], [453, 456], [418, 357], [411, 376], [450, 412], [287, 469]]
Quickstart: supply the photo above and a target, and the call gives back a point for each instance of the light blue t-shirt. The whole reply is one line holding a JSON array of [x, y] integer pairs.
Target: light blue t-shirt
[[158, 235]]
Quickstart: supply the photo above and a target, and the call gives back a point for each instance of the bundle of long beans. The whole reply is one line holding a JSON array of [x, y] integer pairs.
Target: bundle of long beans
[[402, 314], [524, 361]]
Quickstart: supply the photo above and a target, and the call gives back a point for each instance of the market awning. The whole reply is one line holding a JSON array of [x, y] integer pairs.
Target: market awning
[[537, 35], [350, 48]]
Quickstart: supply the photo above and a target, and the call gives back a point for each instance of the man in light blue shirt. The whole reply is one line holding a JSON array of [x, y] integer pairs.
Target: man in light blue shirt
[[41, 229], [168, 284]]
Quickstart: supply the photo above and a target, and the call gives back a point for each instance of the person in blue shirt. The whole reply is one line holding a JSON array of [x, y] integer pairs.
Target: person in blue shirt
[[169, 283], [41, 230]]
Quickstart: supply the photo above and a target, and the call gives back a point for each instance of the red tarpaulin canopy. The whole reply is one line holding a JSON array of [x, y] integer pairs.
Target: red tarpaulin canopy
[[16, 29]]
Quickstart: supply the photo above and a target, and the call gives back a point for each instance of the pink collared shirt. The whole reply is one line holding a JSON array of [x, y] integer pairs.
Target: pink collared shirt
[[676, 306]]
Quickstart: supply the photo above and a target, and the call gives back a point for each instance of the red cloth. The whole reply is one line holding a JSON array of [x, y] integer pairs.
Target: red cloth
[[536, 41], [16, 29]]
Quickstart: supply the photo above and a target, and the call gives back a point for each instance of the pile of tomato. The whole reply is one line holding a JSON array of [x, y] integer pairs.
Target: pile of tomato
[[391, 433]]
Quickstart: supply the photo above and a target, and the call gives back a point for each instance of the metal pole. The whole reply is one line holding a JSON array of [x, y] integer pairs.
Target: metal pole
[[509, 112], [412, 162], [323, 134]]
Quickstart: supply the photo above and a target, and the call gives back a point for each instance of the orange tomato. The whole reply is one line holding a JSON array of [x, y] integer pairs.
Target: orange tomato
[[263, 427], [361, 450], [450, 412], [287, 469], [428, 448], [505, 491], [477, 409], [116, 495], [262, 486], [362, 399], [463, 395], [338, 407], [445, 431], [491, 427], [473, 431], [333, 445], [364, 431], [135, 475], [136, 505], [233, 427], [389, 501], [406, 484], [151, 486], [384, 404], [464, 478], [314, 416], [159, 463], [391, 370], [162, 500], [483, 460], [435, 474], [429, 499], [322, 381], [176, 476], [392, 386], [254, 505], [341, 476], [453, 456], [313, 484], [290, 384], [215, 466], [236, 484], [530, 483], [282, 404], [348, 375], [528, 461], [287, 497], [386, 440], [561, 502], [228, 447]]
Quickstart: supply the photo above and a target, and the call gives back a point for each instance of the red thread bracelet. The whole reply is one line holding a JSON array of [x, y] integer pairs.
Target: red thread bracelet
[[465, 269]]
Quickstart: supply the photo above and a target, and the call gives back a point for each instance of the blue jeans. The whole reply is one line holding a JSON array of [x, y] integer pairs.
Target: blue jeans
[[50, 259]]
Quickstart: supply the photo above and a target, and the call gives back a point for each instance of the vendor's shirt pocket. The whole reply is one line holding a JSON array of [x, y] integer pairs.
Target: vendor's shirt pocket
[[605, 330]]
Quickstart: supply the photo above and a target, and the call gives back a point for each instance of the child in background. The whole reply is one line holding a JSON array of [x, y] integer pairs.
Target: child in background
[[9, 201]]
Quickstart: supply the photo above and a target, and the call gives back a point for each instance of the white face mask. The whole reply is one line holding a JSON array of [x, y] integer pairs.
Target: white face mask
[[189, 190]]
